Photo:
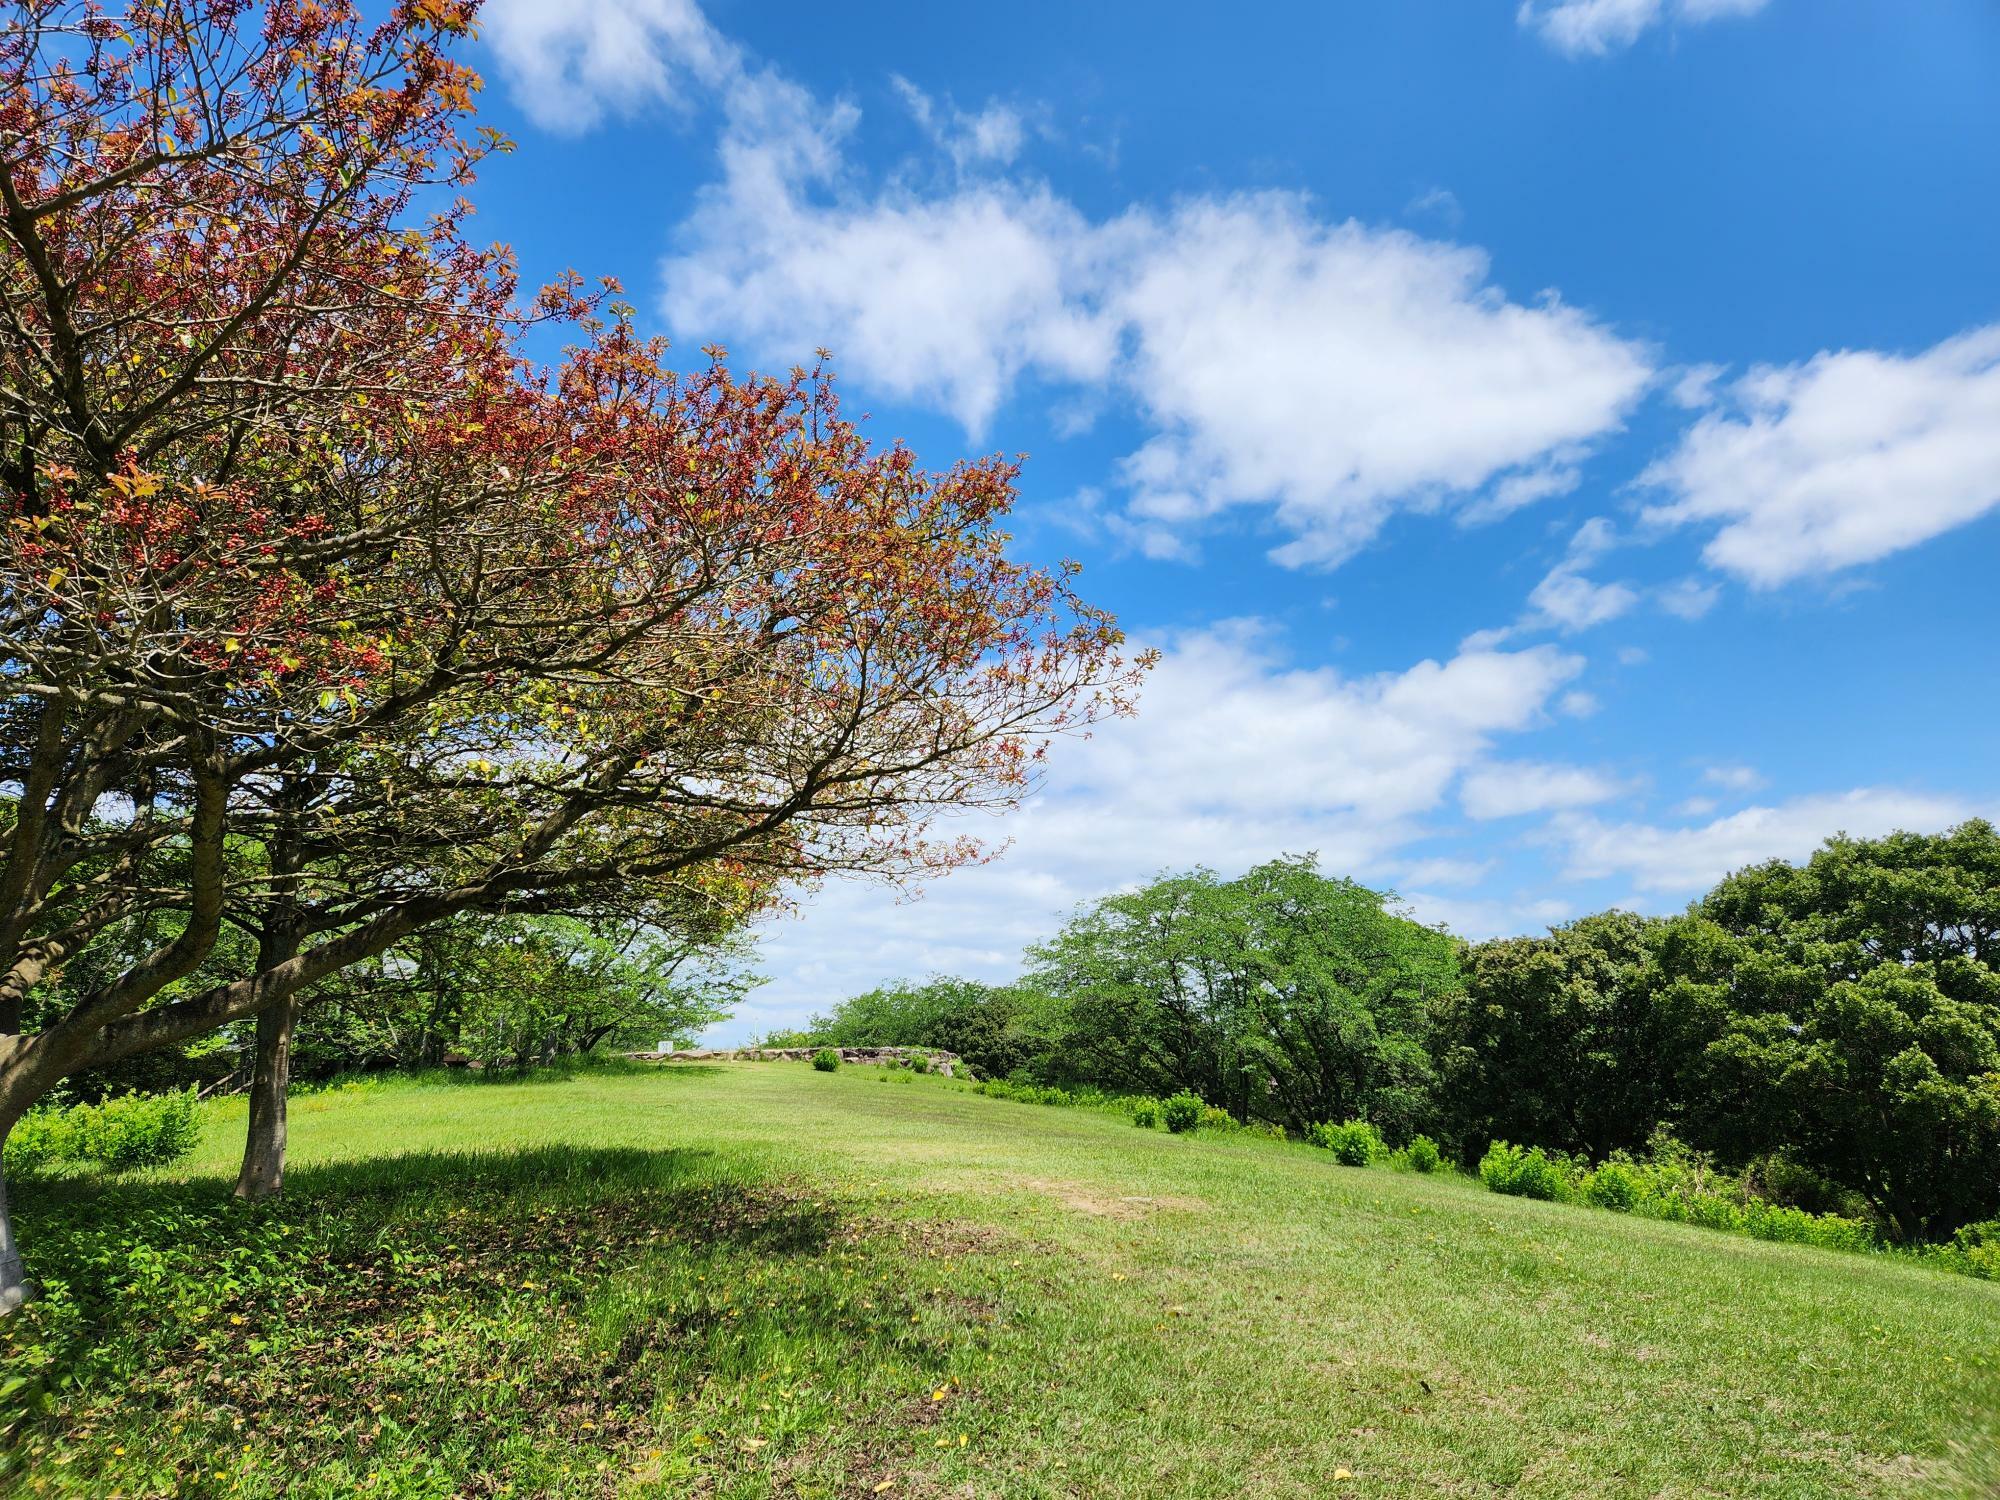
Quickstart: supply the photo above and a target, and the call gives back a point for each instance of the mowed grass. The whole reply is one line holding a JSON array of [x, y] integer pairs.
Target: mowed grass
[[752, 1279]]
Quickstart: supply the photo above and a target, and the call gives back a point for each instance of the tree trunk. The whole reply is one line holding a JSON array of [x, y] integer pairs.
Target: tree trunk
[[15, 1287], [263, 1171]]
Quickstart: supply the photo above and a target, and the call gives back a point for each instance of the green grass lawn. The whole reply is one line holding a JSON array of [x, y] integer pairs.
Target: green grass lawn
[[750, 1279]]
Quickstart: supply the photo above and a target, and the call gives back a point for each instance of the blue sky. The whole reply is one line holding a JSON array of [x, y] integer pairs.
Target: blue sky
[[1556, 447]]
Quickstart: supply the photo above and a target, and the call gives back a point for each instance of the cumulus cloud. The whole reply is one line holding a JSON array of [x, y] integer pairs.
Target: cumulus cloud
[[1848, 457], [1340, 370], [1507, 789], [1332, 370], [938, 300], [1237, 758], [569, 63], [1689, 860], [1593, 28]]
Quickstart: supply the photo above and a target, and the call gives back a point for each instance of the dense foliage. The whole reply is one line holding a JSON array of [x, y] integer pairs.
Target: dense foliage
[[1826, 1035], [132, 1130]]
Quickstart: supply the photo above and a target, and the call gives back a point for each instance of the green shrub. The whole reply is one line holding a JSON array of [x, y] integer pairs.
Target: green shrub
[[826, 1059], [134, 1130], [37, 1142], [920, 1062], [1423, 1154], [1975, 1250], [1613, 1185], [1269, 1130], [1146, 1113], [1355, 1143], [1522, 1174], [1182, 1112], [1217, 1119]]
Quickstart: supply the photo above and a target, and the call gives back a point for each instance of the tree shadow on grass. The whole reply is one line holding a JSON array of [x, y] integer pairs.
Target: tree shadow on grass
[[525, 1314]]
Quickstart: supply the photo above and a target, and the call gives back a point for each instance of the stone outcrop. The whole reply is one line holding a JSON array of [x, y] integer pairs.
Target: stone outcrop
[[947, 1063]]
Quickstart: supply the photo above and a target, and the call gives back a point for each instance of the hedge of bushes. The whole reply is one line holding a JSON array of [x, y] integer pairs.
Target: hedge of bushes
[[1670, 1183], [1677, 1186], [136, 1130]]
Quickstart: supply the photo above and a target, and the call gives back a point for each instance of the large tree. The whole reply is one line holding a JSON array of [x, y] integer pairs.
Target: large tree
[[1851, 1011], [1560, 1041], [329, 616], [1283, 995]]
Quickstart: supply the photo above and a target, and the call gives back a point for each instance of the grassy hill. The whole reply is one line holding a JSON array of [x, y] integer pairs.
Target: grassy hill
[[747, 1279]]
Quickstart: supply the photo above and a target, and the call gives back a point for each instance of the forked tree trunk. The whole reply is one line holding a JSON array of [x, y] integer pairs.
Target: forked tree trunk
[[263, 1172], [15, 1287]]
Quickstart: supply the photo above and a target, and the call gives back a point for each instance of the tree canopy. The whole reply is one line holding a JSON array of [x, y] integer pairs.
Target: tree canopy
[[330, 615]]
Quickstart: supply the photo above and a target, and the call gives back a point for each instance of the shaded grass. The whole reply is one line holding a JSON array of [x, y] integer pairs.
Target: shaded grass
[[754, 1279]]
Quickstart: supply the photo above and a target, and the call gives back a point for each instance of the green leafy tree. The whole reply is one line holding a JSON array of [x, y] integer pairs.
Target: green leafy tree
[[1851, 1007], [1283, 995], [1560, 1041], [1152, 986], [989, 1025], [1344, 989]]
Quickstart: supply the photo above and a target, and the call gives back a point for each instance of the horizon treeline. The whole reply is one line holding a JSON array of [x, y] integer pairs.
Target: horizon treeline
[[1831, 1028]]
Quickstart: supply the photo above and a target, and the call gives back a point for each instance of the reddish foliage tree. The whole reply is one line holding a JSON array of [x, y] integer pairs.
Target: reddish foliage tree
[[329, 615]]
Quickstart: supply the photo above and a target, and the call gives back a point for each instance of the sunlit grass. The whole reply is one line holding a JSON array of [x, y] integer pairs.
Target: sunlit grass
[[755, 1278]]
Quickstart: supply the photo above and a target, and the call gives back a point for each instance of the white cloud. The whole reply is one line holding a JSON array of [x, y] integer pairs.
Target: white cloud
[[1481, 918], [995, 134], [1438, 202], [944, 301], [1692, 387], [1341, 371], [1689, 860], [1565, 599], [1845, 458], [1592, 28], [1578, 704], [1445, 871], [1689, 598], [1235, 758], [570, 62], [1507, 789], [1734, 778], [1332, 370]]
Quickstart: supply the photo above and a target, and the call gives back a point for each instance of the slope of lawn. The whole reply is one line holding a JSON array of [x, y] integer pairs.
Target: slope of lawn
[[748, 1279]]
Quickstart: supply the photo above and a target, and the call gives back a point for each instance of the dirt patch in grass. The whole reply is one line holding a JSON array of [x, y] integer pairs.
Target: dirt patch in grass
[[1098, 1203]]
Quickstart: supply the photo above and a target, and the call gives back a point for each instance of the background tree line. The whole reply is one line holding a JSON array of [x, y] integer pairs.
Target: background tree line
[[1830, 1028]]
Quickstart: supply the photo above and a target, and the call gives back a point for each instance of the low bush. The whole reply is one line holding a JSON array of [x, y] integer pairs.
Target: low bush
[[1269, 1130], [1354, 1143], [1146, 1113], [1615, 1186], [1519, 1173], [1182, 1112], [1423, 1154], [135, 1130], [1218, 1119], [1973, 1251], [920, 1062], [826, 1059], [1030, 1093]]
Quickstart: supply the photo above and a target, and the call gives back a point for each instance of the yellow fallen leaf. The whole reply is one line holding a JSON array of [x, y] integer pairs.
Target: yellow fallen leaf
[[887, 1484], [1343, 1474]]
